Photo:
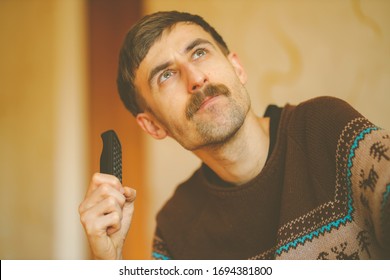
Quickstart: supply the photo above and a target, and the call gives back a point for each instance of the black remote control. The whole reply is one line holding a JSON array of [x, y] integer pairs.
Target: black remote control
[[111, 157]]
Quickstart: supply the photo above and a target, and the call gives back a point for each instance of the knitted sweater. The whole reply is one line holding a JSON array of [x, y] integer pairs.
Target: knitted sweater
[[322, 194]]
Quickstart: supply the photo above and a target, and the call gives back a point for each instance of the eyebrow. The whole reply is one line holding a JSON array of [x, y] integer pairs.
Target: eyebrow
[[196, 43], [164, 65]]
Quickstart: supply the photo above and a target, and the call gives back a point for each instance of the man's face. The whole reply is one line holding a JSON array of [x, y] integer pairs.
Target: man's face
[[194, 92]]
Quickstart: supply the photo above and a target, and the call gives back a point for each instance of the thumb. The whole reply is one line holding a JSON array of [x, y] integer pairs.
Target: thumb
[[128, 208], [130, 194]]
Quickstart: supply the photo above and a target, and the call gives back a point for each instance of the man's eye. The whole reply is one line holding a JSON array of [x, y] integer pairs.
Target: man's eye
[[198, 53], [165, 75]]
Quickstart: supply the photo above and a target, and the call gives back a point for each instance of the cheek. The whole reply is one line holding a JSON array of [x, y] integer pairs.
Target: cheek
[[171, 111], [222, 73]]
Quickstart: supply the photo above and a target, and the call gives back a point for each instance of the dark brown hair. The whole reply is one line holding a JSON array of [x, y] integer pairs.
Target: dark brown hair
[[137, 43]]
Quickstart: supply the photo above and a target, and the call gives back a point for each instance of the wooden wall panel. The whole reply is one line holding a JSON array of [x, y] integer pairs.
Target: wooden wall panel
[[108, 24]]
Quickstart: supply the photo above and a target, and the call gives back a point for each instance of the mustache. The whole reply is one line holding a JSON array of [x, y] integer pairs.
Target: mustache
[[197, 98]]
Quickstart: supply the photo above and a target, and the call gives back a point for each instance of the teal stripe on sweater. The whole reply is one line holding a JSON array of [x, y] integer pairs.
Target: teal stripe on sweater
[[341, 221], [160, 256]]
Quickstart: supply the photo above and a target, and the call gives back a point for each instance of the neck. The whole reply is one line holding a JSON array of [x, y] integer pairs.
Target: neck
[[243, 157]]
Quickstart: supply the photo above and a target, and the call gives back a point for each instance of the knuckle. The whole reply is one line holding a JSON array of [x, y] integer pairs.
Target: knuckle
[[90, 229], [81, 208], [116, 218], [82, 219], [95, 177], [85, 219], [115, 181], [105, 189], [111, 201], [120, 200]]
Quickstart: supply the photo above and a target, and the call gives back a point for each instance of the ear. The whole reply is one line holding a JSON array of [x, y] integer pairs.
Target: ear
[[240, 71], [151, 126]]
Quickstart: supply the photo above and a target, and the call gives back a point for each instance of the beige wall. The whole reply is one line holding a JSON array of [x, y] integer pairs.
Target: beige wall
[[292, 51], [42, 116]]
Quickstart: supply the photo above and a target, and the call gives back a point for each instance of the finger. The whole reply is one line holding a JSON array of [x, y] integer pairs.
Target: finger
[[112, 216], [101, 193], [100, 178], [113, 222], [104, 225], [98, 218], [130, 194]]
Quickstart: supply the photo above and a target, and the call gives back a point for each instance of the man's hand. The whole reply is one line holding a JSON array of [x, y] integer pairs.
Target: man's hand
[[106, 214]]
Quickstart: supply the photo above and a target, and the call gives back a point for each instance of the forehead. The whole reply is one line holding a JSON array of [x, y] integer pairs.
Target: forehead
[[173, 41]]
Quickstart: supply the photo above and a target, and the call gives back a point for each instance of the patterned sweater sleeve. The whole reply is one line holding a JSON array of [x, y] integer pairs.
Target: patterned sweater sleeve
[[362, 165], [368, 172], [160, 248]]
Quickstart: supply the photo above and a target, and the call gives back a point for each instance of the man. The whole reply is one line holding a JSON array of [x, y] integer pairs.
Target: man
[[303, 182]]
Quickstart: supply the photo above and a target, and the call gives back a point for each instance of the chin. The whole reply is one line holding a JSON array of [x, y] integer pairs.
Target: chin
[[218, 133]]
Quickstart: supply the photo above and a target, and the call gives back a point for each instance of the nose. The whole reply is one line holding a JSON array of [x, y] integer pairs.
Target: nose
[[196, 78]]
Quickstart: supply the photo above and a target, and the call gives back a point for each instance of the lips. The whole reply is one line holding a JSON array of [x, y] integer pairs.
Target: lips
[[206, 101]]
